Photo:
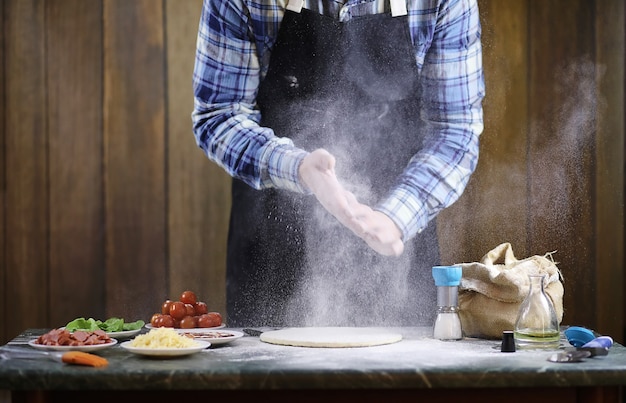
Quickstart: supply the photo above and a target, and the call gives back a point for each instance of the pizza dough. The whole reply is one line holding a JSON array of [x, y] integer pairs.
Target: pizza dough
[[331, 337]]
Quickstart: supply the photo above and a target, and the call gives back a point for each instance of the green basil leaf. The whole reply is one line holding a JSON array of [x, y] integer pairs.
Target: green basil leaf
[[82, 324], [112, 325], [134, 325]]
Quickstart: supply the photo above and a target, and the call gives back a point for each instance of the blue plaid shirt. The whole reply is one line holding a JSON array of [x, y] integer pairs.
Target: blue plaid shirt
[[234, 45]]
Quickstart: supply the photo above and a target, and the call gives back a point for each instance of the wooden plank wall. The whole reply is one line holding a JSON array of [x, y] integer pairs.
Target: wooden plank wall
[[561, 148], [134, 156], [25, 268], [74, 102], [108, 207], [3, 187], [610, 168], [198, 191]]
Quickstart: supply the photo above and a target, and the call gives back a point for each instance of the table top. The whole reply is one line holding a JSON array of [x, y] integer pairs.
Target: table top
[[417, 361]]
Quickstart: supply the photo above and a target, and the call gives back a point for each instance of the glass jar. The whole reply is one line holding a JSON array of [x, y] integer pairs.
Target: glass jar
[[537, 326]]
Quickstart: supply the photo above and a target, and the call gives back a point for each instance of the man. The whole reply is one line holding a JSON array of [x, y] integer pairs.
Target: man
[[365, 111]]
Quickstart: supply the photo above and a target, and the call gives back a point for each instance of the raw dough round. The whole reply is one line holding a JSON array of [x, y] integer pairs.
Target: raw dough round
[[331, 337]]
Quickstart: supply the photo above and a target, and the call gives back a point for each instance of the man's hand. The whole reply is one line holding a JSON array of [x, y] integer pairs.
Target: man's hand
[[317, 172], [381, 233]]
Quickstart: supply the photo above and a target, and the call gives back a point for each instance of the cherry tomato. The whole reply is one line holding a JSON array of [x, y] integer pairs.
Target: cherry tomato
[[167, 321], [178, 310], [155, 319], [200, 308], [211, 319], [216, 317], [188, 297], [190, 310], [165, 308], [188, 322], [204, 321]]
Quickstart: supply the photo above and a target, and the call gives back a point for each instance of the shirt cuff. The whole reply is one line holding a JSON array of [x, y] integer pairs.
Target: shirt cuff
[[282, 168], [407, 210]]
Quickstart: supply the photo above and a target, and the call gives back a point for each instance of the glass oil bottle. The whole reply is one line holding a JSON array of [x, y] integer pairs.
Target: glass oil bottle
[[537, 326]]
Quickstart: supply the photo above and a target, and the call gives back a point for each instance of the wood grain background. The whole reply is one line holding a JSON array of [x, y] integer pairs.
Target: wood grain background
[[107, 207]]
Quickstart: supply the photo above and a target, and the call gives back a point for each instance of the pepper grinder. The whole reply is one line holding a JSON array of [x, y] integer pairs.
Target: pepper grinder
[[447, 324]]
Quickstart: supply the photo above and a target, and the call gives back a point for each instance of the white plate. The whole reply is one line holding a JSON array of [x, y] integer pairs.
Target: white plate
[[124, 334], [166, 352], [89, 348], [217, 339], [196, 329]]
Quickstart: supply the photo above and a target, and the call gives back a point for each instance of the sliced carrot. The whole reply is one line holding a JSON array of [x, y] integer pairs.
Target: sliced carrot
[[81, 358]]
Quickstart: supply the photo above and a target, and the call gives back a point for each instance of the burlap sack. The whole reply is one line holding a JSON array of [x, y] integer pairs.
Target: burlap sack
[[492, 290]]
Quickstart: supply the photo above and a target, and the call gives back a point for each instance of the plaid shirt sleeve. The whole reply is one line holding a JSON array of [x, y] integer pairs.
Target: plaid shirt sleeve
[[453, 89], [225, 79]]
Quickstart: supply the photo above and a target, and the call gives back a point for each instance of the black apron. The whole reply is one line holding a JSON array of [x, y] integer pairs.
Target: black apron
[[351, 88]]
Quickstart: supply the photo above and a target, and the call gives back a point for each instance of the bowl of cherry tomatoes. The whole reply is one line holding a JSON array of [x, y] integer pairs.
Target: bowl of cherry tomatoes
[[187, 312]]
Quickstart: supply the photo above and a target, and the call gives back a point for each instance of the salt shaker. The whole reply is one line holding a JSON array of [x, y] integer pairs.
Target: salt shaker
[[447, 324]]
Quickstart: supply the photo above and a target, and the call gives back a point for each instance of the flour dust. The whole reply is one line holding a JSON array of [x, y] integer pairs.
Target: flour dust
[[346, 283], [562, 158]]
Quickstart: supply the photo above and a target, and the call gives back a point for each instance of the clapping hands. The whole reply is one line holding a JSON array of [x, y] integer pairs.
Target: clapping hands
[[317, 172]]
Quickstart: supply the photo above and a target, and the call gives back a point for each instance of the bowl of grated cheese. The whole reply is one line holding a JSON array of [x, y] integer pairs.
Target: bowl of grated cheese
[[164, 341]]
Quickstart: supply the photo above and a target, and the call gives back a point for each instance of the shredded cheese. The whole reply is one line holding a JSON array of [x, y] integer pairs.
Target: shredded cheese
[[162, 337]]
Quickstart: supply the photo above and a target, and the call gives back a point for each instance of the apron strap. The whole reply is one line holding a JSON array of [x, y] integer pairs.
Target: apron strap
[[295, 5], [398, 8]]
